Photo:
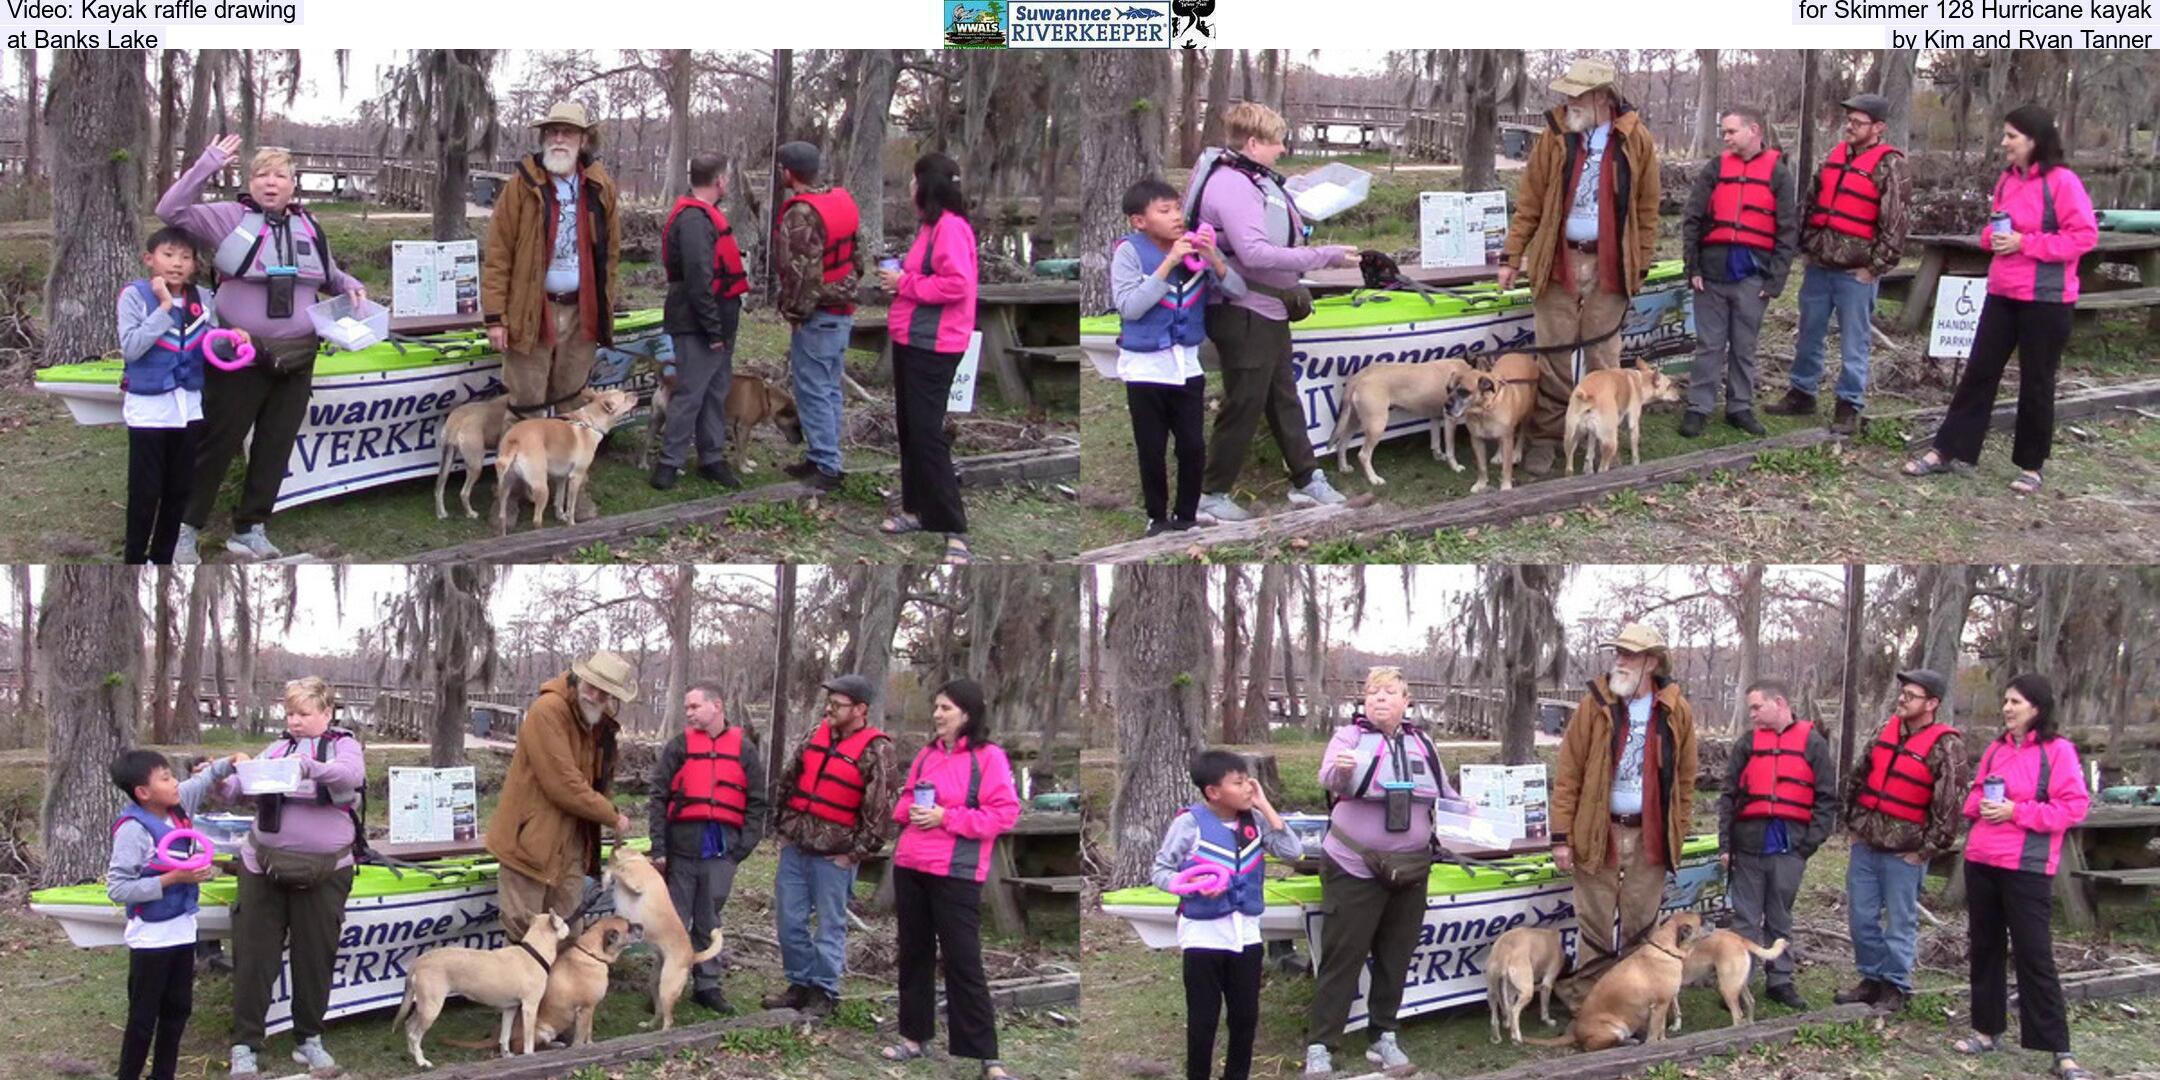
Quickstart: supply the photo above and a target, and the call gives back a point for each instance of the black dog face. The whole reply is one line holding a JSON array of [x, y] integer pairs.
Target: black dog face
[[1378, 270]]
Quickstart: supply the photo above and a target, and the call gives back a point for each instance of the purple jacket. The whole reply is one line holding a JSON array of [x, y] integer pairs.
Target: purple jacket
[[1365, 820], [307, 826], [934, 308], [1237, 204], [240, 303]]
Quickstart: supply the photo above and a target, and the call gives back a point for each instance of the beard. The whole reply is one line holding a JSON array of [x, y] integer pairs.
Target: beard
[[1580, 119], [589, 712], [560, 160], [1623, 680]]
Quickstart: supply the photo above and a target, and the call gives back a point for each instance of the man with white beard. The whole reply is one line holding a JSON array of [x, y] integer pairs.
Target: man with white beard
[[548, 280], [1622, 797], [1583, 237]]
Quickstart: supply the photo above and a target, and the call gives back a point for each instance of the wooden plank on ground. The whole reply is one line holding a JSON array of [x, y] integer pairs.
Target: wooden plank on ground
[[1027, 992], [551, 541], [2100, 401], [555, 1063]]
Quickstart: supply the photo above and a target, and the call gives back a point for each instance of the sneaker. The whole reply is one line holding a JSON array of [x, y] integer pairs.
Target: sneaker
[[1864, 992], [318, 1060], [253, 544], [186, 551], [719, 473], [1389, 1056], [1746, 421], [713, 999], [791, 998], [801, 470], [1691, 425], [1541, 459], [1222, 509], [821, 480], [1788, 995], [819, 1004], [243, 1063], [1795, 403], [1180, 524], [664, 477], [1157, 527], [1317, 1062], [1316, 492], [1846, 421]]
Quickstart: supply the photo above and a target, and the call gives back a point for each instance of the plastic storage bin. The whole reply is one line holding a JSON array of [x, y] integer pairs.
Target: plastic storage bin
[[1328, 190], [349, 326], [270, 776]]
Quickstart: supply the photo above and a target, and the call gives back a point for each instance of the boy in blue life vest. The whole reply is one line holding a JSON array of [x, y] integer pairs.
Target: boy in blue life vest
[[1232, 827], [1162, 307], [161, 901], [163, 320]]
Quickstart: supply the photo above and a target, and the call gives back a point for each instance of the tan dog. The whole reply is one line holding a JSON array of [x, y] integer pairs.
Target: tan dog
[[512, 978], [751, 401], [1630, 1001], [1428, 389], [1600, 401], [580, 980], [641, 896], [1500, 401], [468, 433], [1524, 959], [1726, 954], [533, 452]]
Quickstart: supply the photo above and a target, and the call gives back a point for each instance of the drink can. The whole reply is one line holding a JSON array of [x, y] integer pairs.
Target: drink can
[[925, 794], [888, 264], [1992, 789], [1999, 223]]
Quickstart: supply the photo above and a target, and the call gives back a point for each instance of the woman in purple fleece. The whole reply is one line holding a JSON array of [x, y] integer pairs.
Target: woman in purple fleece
[[272, 261]]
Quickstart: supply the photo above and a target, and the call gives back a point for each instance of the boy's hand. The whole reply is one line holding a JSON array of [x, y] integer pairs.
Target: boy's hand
[[162, 290], [1213, 893], [1215, 260], [187, 877], [245, 339], [236, 759], [1180, 248]]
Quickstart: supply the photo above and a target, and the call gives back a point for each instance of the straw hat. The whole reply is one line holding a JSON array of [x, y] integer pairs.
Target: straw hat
[[1638, 638], [609, 672], [1585, 75], [568, 113]]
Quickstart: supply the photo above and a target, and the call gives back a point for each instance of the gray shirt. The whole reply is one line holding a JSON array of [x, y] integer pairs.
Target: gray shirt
[[1135, 291], [141, 323], [1184, 834], [128, 879]]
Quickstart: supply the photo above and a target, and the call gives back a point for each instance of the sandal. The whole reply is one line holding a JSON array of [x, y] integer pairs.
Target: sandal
[[1929, 464], [1005, 1074], [2027, 483], [956, 551], [2074, 1072], [903, 1051], [900, 525], [1975, 1044]]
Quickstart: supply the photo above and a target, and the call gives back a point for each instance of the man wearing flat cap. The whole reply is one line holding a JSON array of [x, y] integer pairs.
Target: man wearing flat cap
[[821, 262], [828, 809], [548, 280], [1583, 237], [555, 801], [1622, 797], [1855, 219], [1904, 800]]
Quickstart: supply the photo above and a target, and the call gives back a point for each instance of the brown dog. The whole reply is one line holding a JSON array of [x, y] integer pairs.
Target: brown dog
[[1428, 389], [512, 979], [1524, 959], [641, 896], [468, 433], [1500, 402], [1600, 401], [751, 401], [533, 452], [1630, 1001], [1726, 955], [580, 980]]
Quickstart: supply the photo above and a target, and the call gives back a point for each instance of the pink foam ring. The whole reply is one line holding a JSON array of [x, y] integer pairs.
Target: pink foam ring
[[1197, 262], [1200, 878], [205, 850], [243, 350]]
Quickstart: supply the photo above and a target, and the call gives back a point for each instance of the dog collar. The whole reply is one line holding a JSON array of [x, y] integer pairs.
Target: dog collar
[[580, 946], [1682, 957], [545, 967]]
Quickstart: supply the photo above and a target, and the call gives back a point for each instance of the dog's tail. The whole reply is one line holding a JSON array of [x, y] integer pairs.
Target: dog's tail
[[1776, 949], [712, 950], [404, 1006], [1343, 419]]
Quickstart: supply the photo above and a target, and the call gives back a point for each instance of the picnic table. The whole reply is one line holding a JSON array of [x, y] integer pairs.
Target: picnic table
[[1020, 321], [1040, 857], [1962, 255], [2106, 854]]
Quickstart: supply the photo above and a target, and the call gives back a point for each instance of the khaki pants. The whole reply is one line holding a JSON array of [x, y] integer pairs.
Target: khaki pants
[[1629, 886], [551, 373], [1561, 315], [524, 899]]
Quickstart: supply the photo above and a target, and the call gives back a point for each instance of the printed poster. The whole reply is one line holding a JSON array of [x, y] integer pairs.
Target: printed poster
[[433, 805], [428, 278]]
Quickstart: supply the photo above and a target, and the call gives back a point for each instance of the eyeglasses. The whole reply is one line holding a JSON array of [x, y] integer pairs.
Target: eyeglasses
[[1912, 695]]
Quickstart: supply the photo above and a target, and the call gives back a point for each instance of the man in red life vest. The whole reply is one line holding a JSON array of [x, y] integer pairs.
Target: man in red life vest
[[706, 283], [707, 813], [821, 261], [1856, 216], [1737, 237], [1778, 805], [1903, 804], [829, 808]]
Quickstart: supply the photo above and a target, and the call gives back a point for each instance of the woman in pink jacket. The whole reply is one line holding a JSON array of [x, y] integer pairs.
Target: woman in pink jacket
[[932, 317], [2042, 224], [2027, 793], [958, 800]]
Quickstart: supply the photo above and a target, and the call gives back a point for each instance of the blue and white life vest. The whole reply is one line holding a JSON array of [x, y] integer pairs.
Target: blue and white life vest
[[1410, 756], [176, 361], [1180, 318], [250, 252], [177, 900], [1236, 849]]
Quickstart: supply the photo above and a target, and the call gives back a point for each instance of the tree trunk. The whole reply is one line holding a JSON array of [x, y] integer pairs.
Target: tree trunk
[[1218, 98], [168, 120], [682, 609], [1533, 623], [89, 639], [200, 76], [1708, 91], [879, 601], [454, 116], [1154, 652], [1849, 692], [33, 111], [161, 702], [1094, 638], [1808, 121], [1188, 124], [460, 650], [783, 664], [869, 114], [1233, 655], [1896, 83], [101, 130], [1747, 618], [1271, 78], [978, 140], [1254, 717], [988, 589], [1950, 594], [783, 80], [187, 701], [250, 113], [1119, 143], [1321, 707], [1289, 656], [1245, 79], [1481, 122], [675, 175], [217, 658], [244, 652]]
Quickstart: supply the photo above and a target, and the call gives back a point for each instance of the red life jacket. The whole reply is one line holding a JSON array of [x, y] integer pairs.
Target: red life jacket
[[1899, 781], [831, 782], [1847, 199], [836, 208], [1744, 204], [711, 785], [728, 276], [1770, 785]]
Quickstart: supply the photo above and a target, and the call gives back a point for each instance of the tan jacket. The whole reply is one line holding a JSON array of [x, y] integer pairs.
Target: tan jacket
[[554, 799], [1542, 200], [1582, 787], [514, 262]]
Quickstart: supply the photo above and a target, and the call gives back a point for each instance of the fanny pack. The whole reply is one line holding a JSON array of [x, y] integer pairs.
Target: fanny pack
[[1393, 869], [1296, 300], [288, 355], [290, 869]]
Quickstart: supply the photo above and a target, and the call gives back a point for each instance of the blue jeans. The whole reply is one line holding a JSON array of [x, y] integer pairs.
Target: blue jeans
[[815, 350], [1821, 290], [1883, 891], [804, 885]]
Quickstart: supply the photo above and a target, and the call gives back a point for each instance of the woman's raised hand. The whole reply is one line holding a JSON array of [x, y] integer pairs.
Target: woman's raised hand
[[230, 144]]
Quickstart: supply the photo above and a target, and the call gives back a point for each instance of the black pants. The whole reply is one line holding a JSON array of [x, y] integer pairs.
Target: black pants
[[1218, 982], [929, 489], [1257, 382], [161, 470], [942, 916], [1362, 920], [1160, 412], [161, 994], [2038, 333], [2012, 908], [258, 397]]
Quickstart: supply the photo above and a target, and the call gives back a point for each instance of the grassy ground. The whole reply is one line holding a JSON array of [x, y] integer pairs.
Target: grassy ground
[[67, 1005]]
